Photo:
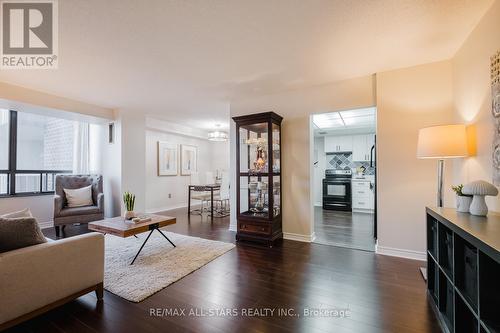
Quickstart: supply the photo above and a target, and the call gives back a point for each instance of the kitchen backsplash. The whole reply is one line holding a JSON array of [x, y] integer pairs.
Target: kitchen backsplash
[[344, 161]]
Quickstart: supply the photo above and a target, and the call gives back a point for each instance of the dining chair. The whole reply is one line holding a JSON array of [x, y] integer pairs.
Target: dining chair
[[210, 177], [222, 198], [198, 193]]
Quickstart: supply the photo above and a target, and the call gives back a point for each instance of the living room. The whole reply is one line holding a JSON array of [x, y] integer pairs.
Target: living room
[[194, 208]]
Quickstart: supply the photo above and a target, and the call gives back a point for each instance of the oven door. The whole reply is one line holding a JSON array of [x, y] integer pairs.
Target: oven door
[[337, 194]]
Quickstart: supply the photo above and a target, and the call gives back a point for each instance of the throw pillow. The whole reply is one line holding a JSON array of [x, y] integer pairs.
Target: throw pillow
[[79, 197], [22, 213], [16, 233]]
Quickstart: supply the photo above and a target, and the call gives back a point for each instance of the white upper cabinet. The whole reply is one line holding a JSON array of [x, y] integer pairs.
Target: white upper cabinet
[[337, 144], [359, 144], [330, 145], [345, 143], [361, 147]]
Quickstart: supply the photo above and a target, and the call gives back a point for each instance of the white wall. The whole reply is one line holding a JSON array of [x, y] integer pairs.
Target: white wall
[[407, 100], [473, 101], [211, 156], [111, 169], [133, 166]]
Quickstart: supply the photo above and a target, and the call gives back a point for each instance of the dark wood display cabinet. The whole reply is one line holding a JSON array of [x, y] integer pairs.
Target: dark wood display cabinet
[[258, 185], [463, 270]]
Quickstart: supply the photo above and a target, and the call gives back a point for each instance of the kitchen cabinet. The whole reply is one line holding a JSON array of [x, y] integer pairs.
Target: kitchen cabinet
[[338, 144], [361, 147], [362, 195]]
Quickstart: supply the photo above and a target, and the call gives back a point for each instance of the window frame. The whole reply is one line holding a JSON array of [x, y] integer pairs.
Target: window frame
[[12, 171]]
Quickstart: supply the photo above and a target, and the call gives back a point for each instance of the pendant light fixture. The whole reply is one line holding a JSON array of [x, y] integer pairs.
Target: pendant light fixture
[[217, 135]]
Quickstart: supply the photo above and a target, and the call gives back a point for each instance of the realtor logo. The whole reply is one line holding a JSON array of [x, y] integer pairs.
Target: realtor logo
[[29, 34]]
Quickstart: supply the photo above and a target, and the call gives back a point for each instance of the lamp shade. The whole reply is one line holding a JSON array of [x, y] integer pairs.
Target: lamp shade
[[447, 141]]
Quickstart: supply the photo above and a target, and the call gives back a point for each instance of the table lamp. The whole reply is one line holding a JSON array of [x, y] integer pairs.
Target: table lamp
[[442, 142]]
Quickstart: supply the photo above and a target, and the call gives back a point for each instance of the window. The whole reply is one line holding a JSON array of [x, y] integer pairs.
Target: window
[[4, 149], [33, 149], [44, 143]]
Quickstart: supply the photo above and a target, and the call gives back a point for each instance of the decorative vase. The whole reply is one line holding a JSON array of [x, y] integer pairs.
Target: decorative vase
[[129, 214], [463, 203]]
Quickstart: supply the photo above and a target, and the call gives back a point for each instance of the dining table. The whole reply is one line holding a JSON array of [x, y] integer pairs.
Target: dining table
[[206, 188]]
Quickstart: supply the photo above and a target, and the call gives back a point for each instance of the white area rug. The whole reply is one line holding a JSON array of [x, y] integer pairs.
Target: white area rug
[[159, 264]]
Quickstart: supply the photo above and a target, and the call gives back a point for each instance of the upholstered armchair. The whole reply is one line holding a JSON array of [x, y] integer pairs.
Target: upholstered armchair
[[63, 214]]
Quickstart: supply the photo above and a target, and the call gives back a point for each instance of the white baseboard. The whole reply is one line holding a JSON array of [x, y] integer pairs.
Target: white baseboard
[[299, 237], [162, 209], [318, 204], [401, 253]]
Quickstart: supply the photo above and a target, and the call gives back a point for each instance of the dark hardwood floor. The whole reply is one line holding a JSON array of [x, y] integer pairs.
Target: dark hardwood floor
[[345, 229], [383, 294]]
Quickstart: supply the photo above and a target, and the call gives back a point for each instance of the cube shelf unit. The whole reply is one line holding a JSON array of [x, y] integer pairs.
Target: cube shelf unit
[[463, 270]]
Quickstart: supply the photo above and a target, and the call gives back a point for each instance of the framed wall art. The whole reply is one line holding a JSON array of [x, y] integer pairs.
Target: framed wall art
[[189, 159], [167, 159], [495, 95]]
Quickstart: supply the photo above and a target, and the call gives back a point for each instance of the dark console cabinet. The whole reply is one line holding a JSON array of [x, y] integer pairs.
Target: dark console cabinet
[[463, 270]]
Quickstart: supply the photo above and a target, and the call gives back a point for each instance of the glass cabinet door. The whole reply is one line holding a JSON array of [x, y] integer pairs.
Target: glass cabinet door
[[254, 148], [259, 150], [276, 196], [276, 166], [254, 196]]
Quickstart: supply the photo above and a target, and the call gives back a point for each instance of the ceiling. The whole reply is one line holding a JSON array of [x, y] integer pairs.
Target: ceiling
[[184, 61], [349, 121]]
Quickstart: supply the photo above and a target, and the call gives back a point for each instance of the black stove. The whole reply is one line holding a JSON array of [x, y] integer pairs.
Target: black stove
[[337, 189]]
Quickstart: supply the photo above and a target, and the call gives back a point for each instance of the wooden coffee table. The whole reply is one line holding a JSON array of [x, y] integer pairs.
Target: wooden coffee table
[[119, 227]]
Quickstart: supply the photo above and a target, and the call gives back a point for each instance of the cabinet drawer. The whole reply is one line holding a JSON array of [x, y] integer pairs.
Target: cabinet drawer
[[361, 183], [255, 228], [358, 192], [362, 203]]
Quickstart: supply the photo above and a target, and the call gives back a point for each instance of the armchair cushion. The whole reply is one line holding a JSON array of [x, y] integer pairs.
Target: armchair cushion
[[75, 211], [79, 197], [19, 232]]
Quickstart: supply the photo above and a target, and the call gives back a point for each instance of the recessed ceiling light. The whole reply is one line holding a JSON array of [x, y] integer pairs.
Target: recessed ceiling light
[[328, 120], [344, 119]]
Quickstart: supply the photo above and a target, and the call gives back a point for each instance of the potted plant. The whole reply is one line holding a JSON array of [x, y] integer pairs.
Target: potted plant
[[463, 201], [129, 201]]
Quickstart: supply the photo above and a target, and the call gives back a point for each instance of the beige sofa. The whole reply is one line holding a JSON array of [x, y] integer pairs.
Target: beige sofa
[[38, 278]]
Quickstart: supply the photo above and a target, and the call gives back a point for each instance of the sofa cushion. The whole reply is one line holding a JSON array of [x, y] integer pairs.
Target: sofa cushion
[[74, 211], [16, 233], [79, 197], [21, 213]]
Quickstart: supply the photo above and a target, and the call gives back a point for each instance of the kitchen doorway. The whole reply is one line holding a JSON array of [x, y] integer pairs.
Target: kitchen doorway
[[344, 178]]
